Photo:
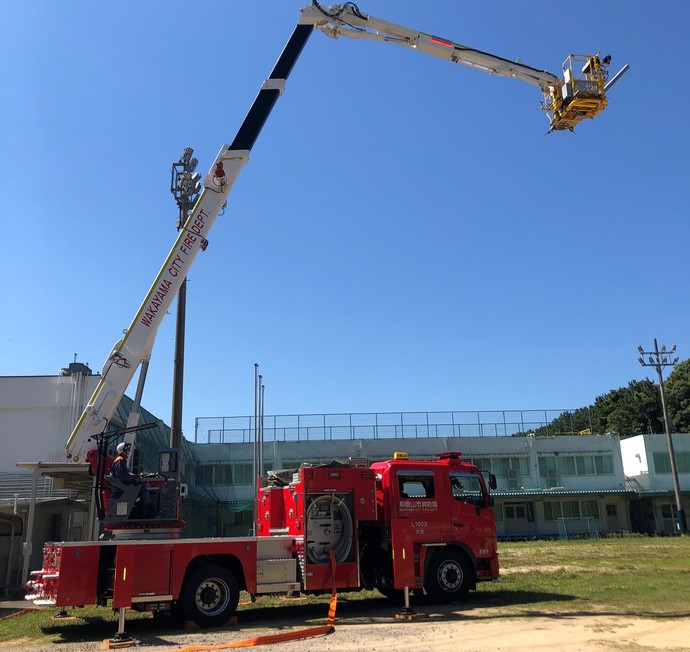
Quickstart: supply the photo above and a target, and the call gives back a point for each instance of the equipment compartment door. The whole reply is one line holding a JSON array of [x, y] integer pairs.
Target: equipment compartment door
[[418, 505], [80, 561], [416, 520], [142, 571]]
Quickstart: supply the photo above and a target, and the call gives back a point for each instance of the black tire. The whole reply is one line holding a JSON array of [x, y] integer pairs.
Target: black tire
[[449, 576], [210, 596]]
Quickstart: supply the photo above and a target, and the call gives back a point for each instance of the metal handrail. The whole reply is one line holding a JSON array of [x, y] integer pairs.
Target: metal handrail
[[374, 425]]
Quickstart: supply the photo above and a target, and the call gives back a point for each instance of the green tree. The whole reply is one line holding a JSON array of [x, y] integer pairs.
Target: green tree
[[631, 410], [677, 391]]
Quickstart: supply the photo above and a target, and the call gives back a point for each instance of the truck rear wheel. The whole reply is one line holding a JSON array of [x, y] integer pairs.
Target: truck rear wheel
[[449, 576], [211, 596]]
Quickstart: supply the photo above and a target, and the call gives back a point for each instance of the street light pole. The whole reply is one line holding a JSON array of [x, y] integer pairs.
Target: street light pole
[[185, 186], [659, 360]]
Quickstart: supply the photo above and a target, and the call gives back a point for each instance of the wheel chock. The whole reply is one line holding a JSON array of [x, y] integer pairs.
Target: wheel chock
[[410, 614], [119, 641]]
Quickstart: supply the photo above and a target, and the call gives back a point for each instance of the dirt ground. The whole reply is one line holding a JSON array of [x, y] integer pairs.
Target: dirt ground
[[444, 629]]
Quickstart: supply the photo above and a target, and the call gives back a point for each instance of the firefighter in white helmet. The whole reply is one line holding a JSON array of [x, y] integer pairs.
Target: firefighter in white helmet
[[120, 472]]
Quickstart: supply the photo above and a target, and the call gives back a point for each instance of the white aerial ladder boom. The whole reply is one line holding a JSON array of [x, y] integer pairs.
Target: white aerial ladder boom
[[580, 94], [347, 20]]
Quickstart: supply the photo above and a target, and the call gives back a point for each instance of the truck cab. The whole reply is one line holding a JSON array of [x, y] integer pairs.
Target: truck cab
[[436, 519]]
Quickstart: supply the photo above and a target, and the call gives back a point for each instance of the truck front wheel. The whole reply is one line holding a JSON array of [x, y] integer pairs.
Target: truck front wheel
[[449, 576], [211, 596]]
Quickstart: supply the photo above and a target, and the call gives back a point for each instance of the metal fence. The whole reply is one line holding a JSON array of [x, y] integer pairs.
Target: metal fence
[[375, 425]]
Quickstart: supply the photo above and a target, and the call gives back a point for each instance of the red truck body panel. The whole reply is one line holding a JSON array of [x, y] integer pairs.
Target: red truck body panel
[[80, 566]]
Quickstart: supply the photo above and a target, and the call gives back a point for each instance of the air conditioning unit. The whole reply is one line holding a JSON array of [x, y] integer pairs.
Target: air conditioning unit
[[514, 479], [552, 478]]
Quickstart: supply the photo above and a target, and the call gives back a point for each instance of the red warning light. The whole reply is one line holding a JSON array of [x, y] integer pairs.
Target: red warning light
[[442, 41]]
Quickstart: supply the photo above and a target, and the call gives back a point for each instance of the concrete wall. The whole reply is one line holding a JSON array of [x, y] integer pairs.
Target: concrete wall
[[37, 414], [638, 460]]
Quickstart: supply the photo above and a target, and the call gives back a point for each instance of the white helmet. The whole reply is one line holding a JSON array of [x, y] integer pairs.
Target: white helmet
[[121, 446]]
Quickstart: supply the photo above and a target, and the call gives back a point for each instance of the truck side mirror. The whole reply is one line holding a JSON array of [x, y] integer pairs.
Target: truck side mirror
[[492, 481]]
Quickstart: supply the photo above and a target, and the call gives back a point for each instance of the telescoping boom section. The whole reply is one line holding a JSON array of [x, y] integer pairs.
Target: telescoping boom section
[[578, 94]]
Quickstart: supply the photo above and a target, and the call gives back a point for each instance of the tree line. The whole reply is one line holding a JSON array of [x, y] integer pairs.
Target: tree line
[[632, 410]]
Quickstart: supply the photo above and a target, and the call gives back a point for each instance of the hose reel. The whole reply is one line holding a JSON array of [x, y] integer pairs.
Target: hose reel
[[329, 526]]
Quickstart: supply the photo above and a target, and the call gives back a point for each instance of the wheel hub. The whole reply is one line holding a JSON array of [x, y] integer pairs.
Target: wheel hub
[[208, 596], [450, 576]]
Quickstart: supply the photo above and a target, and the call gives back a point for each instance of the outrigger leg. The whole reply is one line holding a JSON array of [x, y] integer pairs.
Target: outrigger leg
[[407, 612], [122, 638]]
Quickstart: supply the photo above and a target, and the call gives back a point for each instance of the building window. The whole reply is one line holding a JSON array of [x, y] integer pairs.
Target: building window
[[519, 511], [611, 510], [669, 517], [515, 511], [204, 474], [502, 466], [585, 465], [668, 510], [224, 474], [243, 473], [576, 465], [564, 509], [590, 508], [662, 462], [683, 461]]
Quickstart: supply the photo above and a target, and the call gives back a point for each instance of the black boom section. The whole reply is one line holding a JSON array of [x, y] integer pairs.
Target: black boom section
[[267, 97]]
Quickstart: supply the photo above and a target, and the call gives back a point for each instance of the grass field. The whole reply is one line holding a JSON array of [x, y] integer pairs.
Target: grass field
[[630, 575], [627, 576]]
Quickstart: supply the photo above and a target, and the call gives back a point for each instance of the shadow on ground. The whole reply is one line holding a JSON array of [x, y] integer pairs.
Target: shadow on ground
[[375, 611]]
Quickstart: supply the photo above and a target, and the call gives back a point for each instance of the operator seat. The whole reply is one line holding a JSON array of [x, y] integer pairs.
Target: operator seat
[[122, 500]]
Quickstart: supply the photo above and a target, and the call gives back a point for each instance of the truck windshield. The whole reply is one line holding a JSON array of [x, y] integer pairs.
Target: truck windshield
[[467, 487]]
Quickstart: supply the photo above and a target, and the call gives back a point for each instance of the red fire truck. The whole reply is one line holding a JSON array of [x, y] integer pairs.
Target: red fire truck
[[396, 526]]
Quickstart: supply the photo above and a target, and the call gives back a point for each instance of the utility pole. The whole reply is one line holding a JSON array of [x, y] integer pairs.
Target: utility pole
[[659, 360], [185, 185], [258, 460], [255, 460]]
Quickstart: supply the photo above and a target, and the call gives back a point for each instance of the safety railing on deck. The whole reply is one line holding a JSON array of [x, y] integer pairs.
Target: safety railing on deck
[[374, 425]]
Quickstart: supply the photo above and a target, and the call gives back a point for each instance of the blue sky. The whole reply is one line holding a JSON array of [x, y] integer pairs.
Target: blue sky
[[404, 238]]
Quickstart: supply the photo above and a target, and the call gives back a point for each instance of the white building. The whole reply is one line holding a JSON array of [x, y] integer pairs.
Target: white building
[[36, 416], [647, 464]]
